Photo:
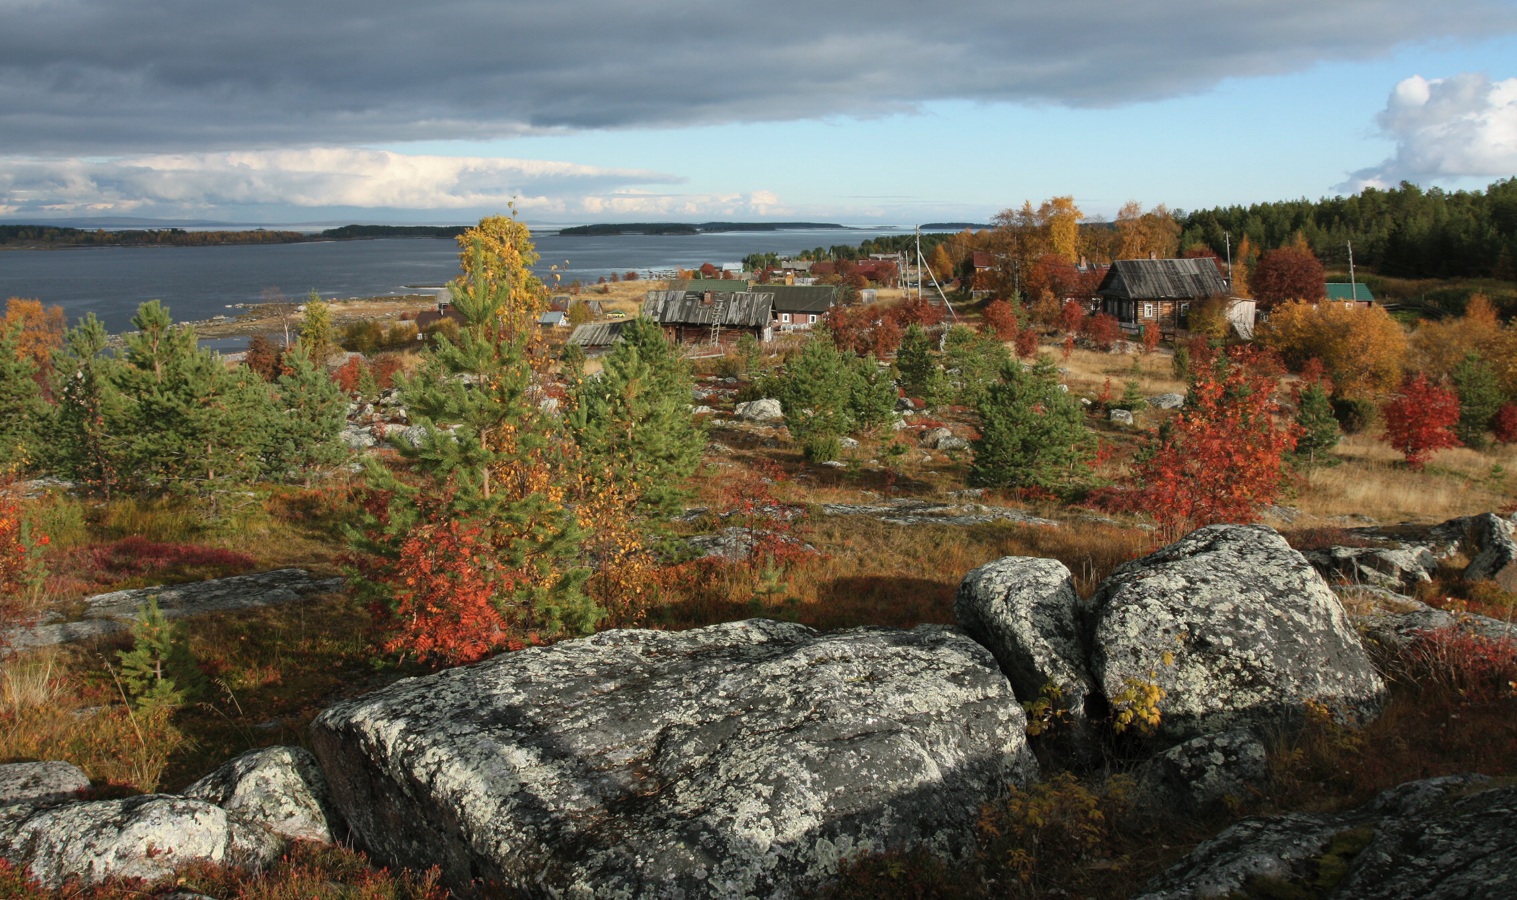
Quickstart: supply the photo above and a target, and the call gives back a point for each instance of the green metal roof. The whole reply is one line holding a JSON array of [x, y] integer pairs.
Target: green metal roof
[[1357, 291]]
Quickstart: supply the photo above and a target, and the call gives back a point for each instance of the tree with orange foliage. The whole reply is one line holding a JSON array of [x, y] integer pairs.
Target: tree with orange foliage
[[1142, 234], [1361, 349], [1072, 317], [1420, 419], [1220, 459], [1289, 273], [1438, 347], [40, 330], [1150, 337], [1102, 330]]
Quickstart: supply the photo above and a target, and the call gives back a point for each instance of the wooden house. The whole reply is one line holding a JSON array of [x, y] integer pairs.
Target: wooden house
[[712, 317], [596, 338], [1161, 291], [799, 308]]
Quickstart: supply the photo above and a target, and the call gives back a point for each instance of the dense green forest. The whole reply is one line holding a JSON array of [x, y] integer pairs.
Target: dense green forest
[[1405, 232]]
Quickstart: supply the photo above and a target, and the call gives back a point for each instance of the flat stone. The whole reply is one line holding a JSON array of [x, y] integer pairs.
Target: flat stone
[[749, 759]]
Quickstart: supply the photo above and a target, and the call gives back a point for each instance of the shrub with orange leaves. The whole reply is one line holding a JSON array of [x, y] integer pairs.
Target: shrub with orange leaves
[[1220, 459]]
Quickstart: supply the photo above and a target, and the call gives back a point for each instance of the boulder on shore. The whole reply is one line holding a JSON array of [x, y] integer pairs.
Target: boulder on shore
[[745, 759]]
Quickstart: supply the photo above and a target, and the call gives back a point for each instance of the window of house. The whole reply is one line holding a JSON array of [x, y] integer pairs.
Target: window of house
[[811, 320], [1148, 310], [784, 317]]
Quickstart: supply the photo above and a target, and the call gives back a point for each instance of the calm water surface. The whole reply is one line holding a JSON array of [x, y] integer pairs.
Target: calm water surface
[[199, 282]]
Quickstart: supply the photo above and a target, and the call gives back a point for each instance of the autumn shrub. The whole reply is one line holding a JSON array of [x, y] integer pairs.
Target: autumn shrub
[[1465, 663], [1001, 318], [1362, 349], [351, 375], [21, 570], [1420, 420], [1050, 837], [1102, 330], [136, 560], [1220, 459], [1504, 424]]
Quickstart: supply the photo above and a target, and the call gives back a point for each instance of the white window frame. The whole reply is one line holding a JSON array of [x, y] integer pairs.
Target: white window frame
[[1148, 310], [785, 317]]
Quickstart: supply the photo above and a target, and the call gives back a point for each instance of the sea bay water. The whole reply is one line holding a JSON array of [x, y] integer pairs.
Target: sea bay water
[[196, 283]]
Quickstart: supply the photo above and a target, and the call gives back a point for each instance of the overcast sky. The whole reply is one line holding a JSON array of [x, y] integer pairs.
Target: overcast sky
[[887, 112]]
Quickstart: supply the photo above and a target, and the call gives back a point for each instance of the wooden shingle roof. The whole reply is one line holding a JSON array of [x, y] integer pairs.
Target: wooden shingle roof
[[741, 309], [597, 334], [1162, 279]]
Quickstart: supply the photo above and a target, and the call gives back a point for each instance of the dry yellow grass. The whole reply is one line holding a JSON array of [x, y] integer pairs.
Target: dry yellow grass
[[1373, 480], [1089, 369]]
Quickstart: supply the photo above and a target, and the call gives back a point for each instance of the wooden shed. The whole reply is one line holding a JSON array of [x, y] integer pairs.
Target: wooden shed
[[710, 317], [1161, 291]]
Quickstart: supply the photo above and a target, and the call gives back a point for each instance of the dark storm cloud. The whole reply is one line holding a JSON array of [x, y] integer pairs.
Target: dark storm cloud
[[82, 77]]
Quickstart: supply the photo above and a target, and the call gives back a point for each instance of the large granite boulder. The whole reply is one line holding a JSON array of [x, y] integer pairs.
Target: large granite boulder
[[278, 788], [1204, 772], [1236, 628], [145, 837], [746, 759], [1395, 567], [1026, 611], [1495, 555], [1439, 839]]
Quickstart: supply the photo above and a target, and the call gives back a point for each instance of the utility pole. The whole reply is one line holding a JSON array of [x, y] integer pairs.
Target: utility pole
[[1353, 286], [1227, 237]]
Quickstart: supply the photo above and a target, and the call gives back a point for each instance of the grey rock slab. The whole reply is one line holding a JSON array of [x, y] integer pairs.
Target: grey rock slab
[[1121, 416], [280, 789], [1026, 612], [1167, 401], [217, 595], [924, 512], [741, 760], [143, 837], [1444, 838], [738, 543], [59, 633], [1238, 630], [41, 783]]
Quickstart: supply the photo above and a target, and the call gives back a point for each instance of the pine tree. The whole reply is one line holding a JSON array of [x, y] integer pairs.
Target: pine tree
[[313, 411], [816, 393], [633, 423], [316, 331], [159, 671], [915, 361], [23, 412], [1032, 435], [190, 422], [873, 396], [1480, 398], [973, 362], [87, 427], [1318, 430], [482, 502]]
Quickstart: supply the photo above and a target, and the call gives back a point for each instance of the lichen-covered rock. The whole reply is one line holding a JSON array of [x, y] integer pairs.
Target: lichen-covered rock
[[1394, 567], [746, 759], [278, 788], [41, 783], [1496, 552], [1026, 612], [1442, 839], [140, 837], [1236, 628], [765, 409], [1167, 401], [1206, 771], [1121, 416]]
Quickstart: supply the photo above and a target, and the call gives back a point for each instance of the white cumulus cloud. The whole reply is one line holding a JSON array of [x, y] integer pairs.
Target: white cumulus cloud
[[1463, 126]]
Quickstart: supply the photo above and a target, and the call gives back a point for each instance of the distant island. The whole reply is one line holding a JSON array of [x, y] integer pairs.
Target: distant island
[[41, 237], [686, 228]]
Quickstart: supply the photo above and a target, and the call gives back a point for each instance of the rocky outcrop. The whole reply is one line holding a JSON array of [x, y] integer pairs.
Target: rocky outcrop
[[280, 789], [1495, 555], [1167, 401], [1439, 839], [1236, 628], [737, 543], [143, 837], [1395, 567], [107, 614], [1026, 612], [926, 512], [746, 759]]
